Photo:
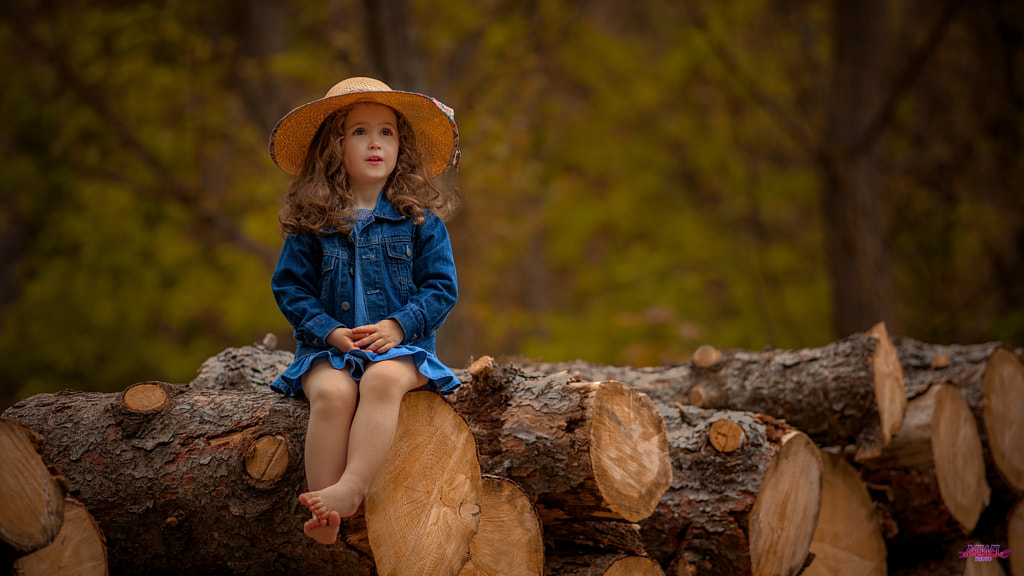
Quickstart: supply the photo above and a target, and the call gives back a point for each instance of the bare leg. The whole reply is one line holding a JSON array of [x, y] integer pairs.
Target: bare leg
[[373, 430], [332, 402]]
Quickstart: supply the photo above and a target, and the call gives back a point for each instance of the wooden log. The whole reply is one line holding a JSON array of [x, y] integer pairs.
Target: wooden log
[[79, 549], [751, 509], [602, 565], [1015, 538], [196, 481], [31, 498], [251, 367], [939, 438], [847, 392], [509, 540], [588, 449], [991, 379], [847, 541]]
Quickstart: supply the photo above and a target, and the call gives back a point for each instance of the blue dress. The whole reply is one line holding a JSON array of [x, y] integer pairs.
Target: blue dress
[[440, 378]]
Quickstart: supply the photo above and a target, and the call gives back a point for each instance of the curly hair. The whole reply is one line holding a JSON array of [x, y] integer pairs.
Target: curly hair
[[319, 201]]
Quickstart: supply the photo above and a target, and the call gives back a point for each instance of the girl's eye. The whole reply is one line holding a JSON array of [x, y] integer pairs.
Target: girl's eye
[[358, 132], [386, 132]]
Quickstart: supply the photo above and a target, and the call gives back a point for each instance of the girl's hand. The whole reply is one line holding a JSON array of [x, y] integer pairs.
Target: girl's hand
[[379, 337], [341, 338]]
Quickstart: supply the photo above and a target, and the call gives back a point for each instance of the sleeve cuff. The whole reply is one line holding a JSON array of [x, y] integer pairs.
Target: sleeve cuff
[[318, 328]]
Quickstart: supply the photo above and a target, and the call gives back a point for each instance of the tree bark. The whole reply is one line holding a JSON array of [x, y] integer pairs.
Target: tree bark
[[847, 541], [591, 450], [748, 510], [846, 392], [79, 549], [192, 481], [509, 540], [31, 498]]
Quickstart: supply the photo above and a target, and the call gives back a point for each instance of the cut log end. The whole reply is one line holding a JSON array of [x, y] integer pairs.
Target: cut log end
[[726, 435], [629, 451], [706, 356], [509, 539], [634, 566], [266, 460], [890, 387], [79, 549], [32, 500], [848, 539], [426, 488], [1003, 391], [959, 463], [785, 514], [145, 397]]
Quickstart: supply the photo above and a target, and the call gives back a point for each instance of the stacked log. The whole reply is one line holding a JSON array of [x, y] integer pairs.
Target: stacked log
[[78, 550], [745, 495], [847, 541], [735, 462]]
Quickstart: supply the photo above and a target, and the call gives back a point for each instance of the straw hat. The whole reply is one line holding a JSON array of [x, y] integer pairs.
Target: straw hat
[[437, 136]]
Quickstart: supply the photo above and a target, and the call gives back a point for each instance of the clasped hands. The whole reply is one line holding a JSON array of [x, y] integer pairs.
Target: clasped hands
[[377, 338]]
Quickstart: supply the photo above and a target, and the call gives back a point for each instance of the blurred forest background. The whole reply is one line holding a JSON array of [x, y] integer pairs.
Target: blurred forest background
[[638, 178]]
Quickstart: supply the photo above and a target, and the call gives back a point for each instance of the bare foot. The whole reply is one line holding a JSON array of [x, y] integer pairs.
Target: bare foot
[[323, 529], [342, 497]]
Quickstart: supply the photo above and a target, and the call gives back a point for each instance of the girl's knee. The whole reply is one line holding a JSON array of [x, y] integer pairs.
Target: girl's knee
[[332, 390], [391, 378]]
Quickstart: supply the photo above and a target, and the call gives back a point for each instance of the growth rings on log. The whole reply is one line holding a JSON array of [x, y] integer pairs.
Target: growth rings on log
[[266, 460]]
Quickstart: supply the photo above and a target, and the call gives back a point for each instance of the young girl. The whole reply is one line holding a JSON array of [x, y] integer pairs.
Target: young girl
[[365, 277]]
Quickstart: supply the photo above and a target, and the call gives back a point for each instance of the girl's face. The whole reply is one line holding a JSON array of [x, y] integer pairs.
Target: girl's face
[[370, 148]]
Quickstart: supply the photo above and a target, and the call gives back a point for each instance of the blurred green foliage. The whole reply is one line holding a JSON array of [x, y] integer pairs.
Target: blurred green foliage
[[630, 190]]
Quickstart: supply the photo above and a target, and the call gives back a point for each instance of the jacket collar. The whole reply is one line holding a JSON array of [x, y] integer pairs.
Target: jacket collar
[[386, 210]]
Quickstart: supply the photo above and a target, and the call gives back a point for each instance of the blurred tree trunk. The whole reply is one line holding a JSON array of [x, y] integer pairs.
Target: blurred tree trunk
[[858, 260], [391, 46]]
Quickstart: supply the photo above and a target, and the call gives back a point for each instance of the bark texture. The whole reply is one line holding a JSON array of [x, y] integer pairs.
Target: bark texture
[[847, 392], [186, 481], [752, 510]]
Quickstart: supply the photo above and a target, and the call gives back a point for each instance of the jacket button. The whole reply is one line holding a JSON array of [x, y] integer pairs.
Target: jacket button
[[408, 251], [351, 271], [345, 306]]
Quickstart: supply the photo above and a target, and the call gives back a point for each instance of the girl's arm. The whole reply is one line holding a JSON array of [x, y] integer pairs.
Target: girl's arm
[[435, 280], [296, 286]]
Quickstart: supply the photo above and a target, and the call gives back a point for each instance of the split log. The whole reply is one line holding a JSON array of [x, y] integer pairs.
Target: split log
[[31, 498], [188, 481], [991, 379], [847, 392], [587, 449], [940, 438], [1015, 538], [509, 539], [734, 508], [847, 541], [79, 549], [603, 565]]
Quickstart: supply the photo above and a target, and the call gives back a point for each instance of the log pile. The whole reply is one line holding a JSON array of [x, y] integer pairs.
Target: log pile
[[851, 458]]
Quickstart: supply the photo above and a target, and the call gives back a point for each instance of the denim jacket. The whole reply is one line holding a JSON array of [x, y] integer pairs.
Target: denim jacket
[[407, 273]]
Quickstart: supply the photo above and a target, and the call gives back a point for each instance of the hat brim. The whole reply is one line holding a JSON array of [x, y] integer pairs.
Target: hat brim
[[437, 136]]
